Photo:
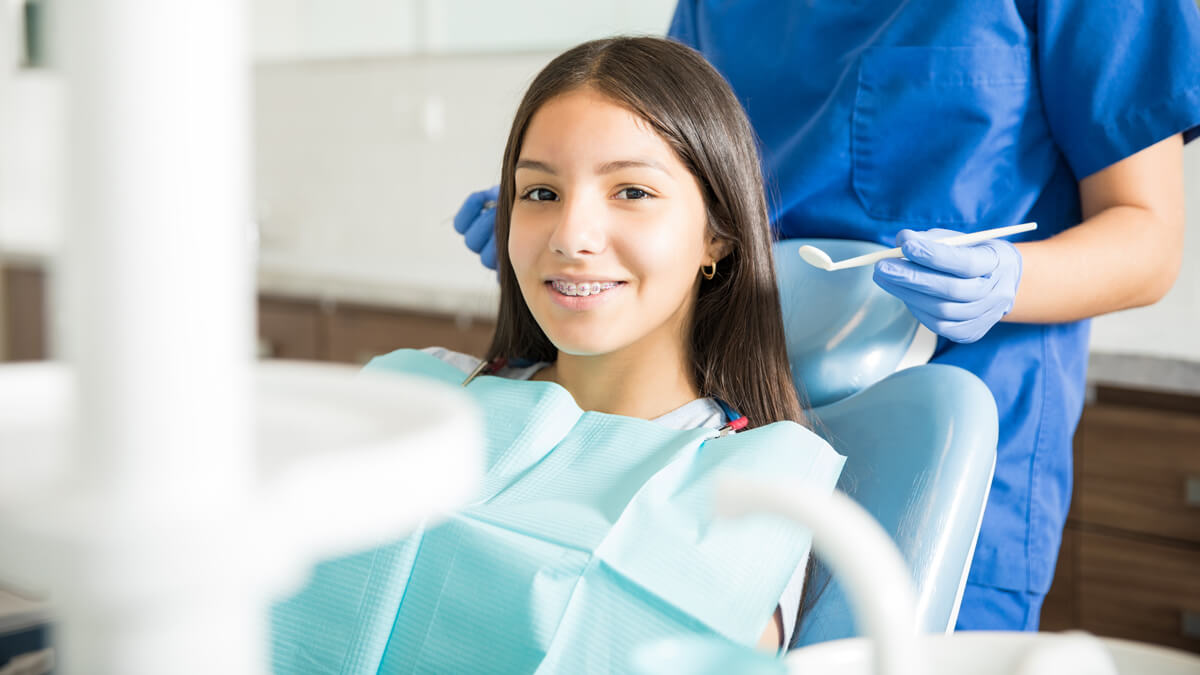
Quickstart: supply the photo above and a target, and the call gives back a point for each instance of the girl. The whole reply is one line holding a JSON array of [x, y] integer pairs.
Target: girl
[[637, 284]]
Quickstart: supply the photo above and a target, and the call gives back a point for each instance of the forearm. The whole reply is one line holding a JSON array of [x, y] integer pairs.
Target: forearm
[[1123, 257], [1127, 251]]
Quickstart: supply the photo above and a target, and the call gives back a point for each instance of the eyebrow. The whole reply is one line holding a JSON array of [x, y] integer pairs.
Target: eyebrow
[[607, 167]]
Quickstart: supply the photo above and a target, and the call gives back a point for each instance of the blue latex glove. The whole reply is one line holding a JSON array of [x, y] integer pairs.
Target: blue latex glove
[[958, 292], [477, 224]]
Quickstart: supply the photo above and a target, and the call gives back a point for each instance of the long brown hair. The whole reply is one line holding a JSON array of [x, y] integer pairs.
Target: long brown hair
[[737, 342]]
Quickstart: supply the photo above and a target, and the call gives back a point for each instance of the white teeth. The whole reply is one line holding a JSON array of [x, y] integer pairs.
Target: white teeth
[[584, 289]]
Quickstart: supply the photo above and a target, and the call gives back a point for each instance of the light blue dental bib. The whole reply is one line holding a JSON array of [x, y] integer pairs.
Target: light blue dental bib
[[593, 534]]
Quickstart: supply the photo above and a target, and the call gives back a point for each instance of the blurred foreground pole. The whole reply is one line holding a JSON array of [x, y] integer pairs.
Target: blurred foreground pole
[[154, 297]]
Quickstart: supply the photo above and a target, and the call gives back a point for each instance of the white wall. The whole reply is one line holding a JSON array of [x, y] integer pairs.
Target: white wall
[[291, 30], [361, 165], [31, 119]]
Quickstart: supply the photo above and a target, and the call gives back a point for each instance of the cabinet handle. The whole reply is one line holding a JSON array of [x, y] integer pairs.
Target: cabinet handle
[[1191, 490], [1189, 624]]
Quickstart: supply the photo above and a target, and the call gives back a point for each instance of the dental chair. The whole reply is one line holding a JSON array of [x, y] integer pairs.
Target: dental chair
[[919, 438]]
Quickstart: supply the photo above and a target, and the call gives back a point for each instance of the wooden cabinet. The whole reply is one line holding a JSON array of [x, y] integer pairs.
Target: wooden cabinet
[[347, 333], [23, 329], [1060, 610], [288, 328], [1135, 468], [355, 334], [1130, 562], [1139, 589]]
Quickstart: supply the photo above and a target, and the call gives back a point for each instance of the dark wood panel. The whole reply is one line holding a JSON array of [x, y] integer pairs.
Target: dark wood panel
[[1139, 398], [1134, 468], [1138, 592], [24, 321], [355, 334], [291, 329], [1060, 609]]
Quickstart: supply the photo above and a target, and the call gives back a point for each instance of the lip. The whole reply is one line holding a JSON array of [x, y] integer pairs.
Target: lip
[[580, 303], [577, 278]]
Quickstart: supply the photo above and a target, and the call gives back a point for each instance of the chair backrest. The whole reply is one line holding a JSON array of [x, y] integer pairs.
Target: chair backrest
[[843, 332], [920, 441]]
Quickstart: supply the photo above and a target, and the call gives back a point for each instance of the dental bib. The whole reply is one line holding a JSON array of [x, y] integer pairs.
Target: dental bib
[[592, 534]]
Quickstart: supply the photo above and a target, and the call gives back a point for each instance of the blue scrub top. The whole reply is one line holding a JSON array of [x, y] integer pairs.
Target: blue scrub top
[[879, 115]]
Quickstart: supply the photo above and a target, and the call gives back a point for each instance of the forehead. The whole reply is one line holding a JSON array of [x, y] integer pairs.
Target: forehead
[[583, 125]]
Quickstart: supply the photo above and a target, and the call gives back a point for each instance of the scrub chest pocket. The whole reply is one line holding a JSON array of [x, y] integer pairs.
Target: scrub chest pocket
[[936, 131]]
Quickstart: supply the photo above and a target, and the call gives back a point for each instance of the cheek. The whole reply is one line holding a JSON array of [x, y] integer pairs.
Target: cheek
[[523, 246], [669, 254]]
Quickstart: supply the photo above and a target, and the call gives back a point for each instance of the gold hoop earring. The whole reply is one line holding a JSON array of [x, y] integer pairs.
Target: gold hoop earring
[[709, 274]]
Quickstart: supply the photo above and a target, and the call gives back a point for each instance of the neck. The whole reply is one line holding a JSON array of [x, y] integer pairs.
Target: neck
[[647, 382]]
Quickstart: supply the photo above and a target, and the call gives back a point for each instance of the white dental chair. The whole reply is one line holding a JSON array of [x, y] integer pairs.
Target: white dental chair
[[920, 440]]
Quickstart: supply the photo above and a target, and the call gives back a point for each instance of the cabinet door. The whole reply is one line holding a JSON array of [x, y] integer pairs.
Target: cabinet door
[[356, 334], [1060, 609], [1139, 589], [23, 303], [1139, 471], [290, 329]]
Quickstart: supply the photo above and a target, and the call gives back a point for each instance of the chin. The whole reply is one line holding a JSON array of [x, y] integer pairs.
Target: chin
[[582, 343]]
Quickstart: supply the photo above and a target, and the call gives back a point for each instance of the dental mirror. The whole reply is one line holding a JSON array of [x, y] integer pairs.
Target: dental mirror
[[821, 260]]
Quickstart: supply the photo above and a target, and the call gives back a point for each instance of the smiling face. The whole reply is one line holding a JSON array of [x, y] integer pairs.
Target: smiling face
[[608, 231]]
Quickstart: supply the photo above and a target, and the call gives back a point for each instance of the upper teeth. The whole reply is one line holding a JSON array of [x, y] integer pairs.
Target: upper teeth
[[586, 288]]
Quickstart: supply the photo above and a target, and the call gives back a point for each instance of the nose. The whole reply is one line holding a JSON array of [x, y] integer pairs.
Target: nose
[[580, 229]]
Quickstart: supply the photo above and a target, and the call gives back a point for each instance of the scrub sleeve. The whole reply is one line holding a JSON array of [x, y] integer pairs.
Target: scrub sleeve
[[879, 116]]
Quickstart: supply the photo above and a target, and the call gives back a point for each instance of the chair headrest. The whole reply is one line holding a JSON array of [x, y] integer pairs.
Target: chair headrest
[[844, 333]]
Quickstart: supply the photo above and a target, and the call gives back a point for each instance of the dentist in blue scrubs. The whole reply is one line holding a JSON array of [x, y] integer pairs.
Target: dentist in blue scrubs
[[889, 120]]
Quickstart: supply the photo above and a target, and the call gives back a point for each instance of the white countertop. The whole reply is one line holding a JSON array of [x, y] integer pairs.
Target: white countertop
[[423, 287], [18, 612]]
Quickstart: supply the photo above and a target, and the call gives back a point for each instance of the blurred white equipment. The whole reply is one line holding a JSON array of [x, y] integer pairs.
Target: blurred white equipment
[[155, 484], [862, 555]]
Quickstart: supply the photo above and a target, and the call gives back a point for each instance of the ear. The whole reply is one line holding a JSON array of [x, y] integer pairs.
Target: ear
[[718, 248]]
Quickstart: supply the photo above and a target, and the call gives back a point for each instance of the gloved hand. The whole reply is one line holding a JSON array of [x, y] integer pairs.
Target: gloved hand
[[958, 292], [477, 224]]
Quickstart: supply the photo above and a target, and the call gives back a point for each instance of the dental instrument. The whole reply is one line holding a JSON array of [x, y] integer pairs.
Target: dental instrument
[[820, 259], [958, 292]]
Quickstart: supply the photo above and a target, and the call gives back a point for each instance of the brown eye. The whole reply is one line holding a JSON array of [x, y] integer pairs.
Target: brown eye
[[539, 194], [633, 193]]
